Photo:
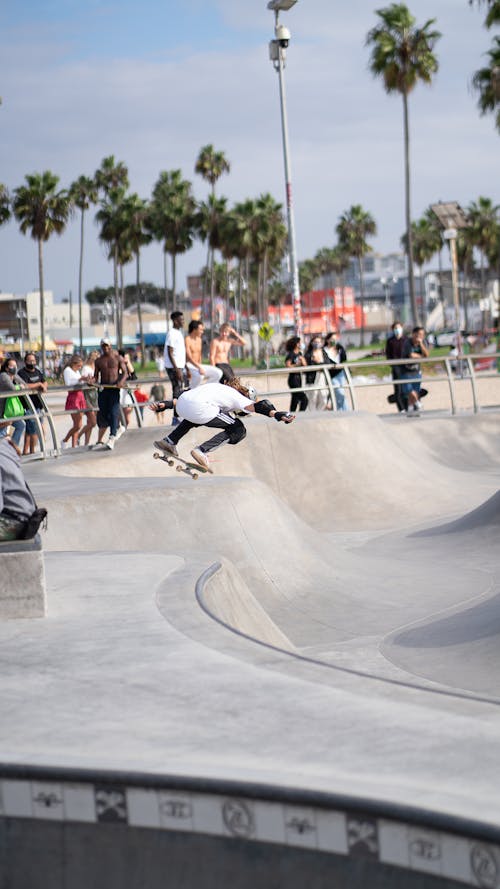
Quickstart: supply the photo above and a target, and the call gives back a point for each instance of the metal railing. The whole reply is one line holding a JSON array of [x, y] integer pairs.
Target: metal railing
[[270, 383]]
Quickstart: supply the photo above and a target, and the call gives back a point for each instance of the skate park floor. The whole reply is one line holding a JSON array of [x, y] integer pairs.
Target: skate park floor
[[322, 613]]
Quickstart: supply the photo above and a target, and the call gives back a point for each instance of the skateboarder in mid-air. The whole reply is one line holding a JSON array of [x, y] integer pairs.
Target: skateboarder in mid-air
[[214, 405]]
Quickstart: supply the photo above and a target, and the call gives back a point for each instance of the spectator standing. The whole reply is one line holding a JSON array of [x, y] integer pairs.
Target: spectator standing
[[315, 354], [294, 358], [157, 393], [35, 381], [88, 371], [200, 373], [175, 359], [393, 352], [220, 348], [10, 381], [336, 354], [414, 347], [126, 400], [110, 373], [75, 400]]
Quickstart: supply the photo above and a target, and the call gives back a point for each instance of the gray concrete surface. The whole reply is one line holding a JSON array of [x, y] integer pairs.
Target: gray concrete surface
[[363, 552]]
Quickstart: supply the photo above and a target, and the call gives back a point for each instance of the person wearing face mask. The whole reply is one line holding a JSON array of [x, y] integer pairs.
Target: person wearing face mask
[[337, 355], [315, 354], [394, 351], [10, 381], [35, 382]]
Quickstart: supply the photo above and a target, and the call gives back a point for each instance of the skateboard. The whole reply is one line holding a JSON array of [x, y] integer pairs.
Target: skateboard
[[186, 466]]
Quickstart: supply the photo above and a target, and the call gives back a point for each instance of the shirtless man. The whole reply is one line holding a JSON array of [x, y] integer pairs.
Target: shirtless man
[[200, 373], [214, 405], [110, 370], [220, 348]]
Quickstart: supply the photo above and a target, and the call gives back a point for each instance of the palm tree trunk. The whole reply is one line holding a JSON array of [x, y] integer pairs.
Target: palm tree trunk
[[411, 280], [174, 284], [165, 284], [139, 307], [117, 295], [80, 277], [212, 291], [42, 302]]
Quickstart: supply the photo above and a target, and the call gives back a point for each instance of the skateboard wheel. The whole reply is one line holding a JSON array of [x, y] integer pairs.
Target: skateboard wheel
[[156, 456], [170, 462], [195, 475], [179, 468]]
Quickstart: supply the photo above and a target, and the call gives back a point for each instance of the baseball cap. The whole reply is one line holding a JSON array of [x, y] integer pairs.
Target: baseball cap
[[105, 341]]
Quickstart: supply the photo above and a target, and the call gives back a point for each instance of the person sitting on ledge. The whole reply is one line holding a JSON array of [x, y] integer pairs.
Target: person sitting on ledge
[[20, 518]]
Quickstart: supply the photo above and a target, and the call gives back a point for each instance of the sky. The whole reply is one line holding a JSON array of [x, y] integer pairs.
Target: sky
[[153, 82]]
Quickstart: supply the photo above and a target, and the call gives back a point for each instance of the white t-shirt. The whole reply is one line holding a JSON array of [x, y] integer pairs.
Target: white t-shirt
[[71, 377], [206, 402], [175, 339]]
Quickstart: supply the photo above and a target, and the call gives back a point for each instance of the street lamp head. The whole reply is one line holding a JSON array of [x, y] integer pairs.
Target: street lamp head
[[281, 5]]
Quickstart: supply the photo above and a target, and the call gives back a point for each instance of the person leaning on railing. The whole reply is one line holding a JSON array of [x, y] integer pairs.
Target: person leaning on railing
[[414, 347]]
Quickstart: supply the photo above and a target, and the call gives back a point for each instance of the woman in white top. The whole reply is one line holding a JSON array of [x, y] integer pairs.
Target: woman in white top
[[75, 401]]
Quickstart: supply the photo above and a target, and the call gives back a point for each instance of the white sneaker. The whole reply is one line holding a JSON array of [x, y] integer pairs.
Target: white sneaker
[[110, 442], [64, 444], [119, 432], [417, 406], [167, 446], [201, 458]]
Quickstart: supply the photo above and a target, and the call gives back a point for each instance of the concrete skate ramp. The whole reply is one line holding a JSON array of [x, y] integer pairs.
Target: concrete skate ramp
[[339, 472], [323, 595]]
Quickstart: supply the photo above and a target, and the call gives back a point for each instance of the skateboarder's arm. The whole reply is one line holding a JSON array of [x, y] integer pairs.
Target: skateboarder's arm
[[159, 406], [265, 407]]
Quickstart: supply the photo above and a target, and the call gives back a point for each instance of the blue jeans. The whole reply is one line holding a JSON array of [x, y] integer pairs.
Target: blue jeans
[[411, 387], [17, 435], [338, 383]]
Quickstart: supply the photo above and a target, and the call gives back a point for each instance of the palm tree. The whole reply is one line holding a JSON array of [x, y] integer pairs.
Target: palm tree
[[111, 175], [42, 211], [5, 208], [483, 226], [210, 218], [113, 224], [424, 248], [211, 165], [270, 245], [83, 192], [486, 82], [354, 227], [402, 54], [136, 235], [493, 14], [173, 220]]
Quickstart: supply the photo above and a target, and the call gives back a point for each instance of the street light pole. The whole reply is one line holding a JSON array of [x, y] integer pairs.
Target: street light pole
[[277, 53]]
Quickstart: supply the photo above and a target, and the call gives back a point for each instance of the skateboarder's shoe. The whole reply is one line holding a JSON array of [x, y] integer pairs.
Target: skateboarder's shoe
[[200, 458], [164, 445]]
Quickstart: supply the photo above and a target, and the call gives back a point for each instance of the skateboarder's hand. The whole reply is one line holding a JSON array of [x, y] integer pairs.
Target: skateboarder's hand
[[156, 406], [284, 417]]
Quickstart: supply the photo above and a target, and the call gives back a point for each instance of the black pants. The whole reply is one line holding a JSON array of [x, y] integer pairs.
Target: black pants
[[178, 386], [400, 399], [233, 431], [298, 400]]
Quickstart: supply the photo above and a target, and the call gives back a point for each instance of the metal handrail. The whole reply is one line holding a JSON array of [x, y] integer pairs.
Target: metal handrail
[[352, 384]]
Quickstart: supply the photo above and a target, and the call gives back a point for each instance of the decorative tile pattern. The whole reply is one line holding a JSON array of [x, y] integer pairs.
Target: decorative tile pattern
[[467, 861]]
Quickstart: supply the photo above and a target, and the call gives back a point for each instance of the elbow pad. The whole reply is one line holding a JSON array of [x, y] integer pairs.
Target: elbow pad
[[264, 407]]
